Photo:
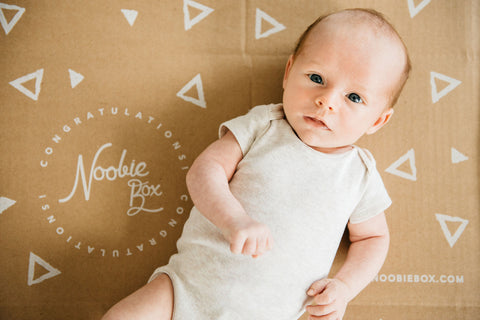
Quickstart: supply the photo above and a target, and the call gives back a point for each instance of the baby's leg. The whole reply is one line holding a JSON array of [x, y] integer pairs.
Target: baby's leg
[[153, 301]]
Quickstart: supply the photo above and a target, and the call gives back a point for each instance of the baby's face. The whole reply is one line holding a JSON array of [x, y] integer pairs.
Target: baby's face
[[339, 86]]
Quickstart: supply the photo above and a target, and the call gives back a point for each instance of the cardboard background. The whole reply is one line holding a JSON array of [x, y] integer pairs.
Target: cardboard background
[[59, 260]]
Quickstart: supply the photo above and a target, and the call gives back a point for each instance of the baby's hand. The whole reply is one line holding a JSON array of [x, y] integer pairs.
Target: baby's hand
[[330, 299], [249, 237]]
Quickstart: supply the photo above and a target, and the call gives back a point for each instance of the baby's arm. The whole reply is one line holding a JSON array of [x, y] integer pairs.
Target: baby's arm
[[207, 182], [365, 257]]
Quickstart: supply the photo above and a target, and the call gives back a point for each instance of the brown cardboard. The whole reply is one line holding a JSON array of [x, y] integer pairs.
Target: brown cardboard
[[152, 88]]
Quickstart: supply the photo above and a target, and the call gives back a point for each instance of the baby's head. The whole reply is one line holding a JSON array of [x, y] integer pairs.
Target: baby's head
[[343, 78], [371, 19]]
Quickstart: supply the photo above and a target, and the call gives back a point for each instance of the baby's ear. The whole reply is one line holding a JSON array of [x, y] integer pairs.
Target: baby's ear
[[381, 121], [287, 70]]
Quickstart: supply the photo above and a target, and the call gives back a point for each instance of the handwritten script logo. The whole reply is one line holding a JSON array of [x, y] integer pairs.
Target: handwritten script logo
[[108, 172], [139, 190]]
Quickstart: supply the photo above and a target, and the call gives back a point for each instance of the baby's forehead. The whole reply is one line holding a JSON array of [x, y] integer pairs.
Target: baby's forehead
[[360, 30], [357, 23]]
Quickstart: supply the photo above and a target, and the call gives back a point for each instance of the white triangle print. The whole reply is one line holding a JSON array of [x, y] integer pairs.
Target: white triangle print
[[189, 23], [415, 9], [5, 203], [75, 78], [457, 156], [452, 84], [197, 82], [37, 75], [409, 156], [34, 259], [8, 26], [130, 15], [451, 239], [260, 16]]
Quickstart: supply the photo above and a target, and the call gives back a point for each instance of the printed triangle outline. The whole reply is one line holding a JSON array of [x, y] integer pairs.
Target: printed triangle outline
[[189, 23], [259, 17], [8, 26], [6, 203], [75, 78], [130, 15], [451, 239], [409, 156], [415, 9], [197, 82], [457, 156], [17, 84], [34, 259], [452, 84]]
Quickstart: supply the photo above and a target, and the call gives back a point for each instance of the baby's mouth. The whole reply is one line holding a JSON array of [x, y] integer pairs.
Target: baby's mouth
[[317, 122]]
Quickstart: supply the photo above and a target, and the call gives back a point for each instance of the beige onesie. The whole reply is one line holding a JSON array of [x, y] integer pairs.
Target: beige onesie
[[305, 197]]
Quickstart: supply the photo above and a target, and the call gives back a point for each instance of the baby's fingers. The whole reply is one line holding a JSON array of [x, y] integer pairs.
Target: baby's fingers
[[261, 247], [264, 244], [250, 247], [237, 244], [319, 310], [329, 316]]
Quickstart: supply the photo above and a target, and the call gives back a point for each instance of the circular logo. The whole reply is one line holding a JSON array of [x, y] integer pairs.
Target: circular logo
[[113, 182]]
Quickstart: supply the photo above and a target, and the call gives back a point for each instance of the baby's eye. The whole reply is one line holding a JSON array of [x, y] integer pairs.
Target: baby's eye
[[316, 78], [355, 98]]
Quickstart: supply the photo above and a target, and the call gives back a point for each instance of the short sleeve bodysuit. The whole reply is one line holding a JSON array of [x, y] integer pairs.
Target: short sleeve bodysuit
[[305, 197]]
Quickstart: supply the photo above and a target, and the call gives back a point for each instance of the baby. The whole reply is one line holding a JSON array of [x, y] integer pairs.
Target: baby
[[273, 195]]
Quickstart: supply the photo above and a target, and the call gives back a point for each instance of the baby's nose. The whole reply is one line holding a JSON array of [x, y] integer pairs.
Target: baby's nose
[[325, 102], [326, 98]]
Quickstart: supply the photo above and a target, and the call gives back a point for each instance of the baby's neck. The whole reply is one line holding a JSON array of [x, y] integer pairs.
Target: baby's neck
[[334, 150]]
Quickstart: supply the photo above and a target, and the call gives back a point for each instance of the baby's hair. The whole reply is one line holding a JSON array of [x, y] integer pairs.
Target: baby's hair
[[381, 22]]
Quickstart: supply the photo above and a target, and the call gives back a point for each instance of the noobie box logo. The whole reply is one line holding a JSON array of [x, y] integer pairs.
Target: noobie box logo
[[113, 182]]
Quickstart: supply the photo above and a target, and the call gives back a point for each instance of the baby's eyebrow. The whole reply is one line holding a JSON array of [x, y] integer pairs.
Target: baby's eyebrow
[[313, 62], [360, 89]]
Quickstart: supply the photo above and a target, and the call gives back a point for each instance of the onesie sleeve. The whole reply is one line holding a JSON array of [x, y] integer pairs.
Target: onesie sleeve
[[250, 126], [375, 199]]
